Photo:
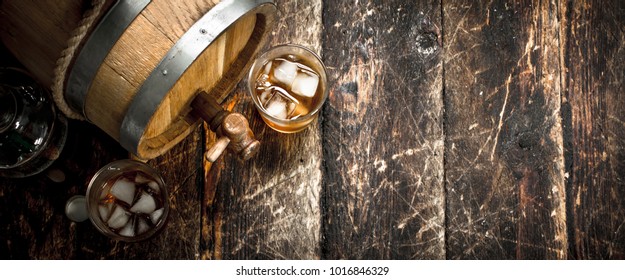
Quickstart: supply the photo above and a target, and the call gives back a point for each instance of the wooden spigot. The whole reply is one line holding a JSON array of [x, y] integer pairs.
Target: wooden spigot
[[233, 130]]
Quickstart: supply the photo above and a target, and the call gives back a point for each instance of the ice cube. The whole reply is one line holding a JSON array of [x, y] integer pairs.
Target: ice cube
[[290, 109], [285, 72], [305, 84], [305, 68], [283, 93], [277, 107], [298, 111], [145, 204], [156, 215], [124, 190], [264, 97], [105, 210], [267, 68], [142, 226], [281, 104], [119, 218], [154, 186], [128, 230], [106, 190], [141, 179], [263, 81]]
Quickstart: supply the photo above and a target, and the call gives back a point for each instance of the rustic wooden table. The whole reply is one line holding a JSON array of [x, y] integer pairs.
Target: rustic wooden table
[[454, 129]]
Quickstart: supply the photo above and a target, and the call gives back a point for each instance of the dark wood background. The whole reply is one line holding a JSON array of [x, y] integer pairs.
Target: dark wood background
[[454, 129]]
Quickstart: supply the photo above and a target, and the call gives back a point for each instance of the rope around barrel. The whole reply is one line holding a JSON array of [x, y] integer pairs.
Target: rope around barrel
[[67, 56]]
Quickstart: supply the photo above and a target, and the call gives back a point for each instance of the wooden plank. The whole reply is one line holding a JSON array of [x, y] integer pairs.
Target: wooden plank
[[268, 207], [32, 213], [504, 158], [383, 195], [593, 59], [182, 171], [32, 209]]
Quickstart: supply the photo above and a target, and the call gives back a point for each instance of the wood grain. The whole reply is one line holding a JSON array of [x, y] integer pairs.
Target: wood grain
[[505, 167], [33, 215], [383, 195], [454, 129], [175, 19], [134, 57], [593, 79], [32, 210], [268, 207], [37, 34], [172, 121]]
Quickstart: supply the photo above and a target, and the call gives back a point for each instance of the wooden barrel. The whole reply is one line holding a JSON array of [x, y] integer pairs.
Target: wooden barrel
[[139, 68]]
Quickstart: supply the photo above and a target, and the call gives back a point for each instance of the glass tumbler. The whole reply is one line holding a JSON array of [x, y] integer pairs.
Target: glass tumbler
[[127, 200], [288, 84]]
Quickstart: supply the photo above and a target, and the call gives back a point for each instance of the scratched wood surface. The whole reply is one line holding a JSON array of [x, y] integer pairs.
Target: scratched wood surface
[[268, 208], [32, 209], [505, 167], [593, 100], [383, 195], [454, 129], [32, 217]]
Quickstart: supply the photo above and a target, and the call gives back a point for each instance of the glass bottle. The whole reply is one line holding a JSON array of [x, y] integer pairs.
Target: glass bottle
[[32, 132]]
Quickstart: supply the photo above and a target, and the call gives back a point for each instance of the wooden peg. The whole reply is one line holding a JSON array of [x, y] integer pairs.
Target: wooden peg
[[232, 129]]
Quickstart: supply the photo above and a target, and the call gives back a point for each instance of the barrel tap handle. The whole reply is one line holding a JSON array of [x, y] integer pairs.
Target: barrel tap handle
[[232, 129]]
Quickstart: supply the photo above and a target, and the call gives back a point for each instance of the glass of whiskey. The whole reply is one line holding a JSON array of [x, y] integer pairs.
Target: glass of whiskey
[[127, 200], [288, 85]]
